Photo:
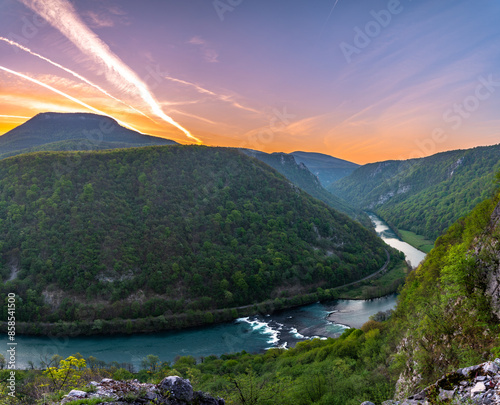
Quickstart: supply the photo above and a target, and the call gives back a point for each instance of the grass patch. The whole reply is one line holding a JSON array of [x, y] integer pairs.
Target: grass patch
[[385, 284], [418, 241]]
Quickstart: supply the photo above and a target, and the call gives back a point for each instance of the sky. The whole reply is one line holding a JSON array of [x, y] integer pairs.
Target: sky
[[363, 80]]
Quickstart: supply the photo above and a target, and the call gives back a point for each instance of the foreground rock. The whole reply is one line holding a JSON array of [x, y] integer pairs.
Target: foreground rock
[[472, 385], [170, 391]]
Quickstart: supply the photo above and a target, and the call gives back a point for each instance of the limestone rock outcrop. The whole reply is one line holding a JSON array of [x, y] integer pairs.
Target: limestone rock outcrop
[[170, 391], [478, 385]]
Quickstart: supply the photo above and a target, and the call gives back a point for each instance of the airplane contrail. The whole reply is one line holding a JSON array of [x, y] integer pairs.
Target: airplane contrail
[[31, 79], [78, 76], [13, 116], [328, 18], [62, 16], [331, 11], [205, 91]]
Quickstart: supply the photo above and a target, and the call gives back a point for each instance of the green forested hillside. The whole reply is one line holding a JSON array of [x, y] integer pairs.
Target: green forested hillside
[[165, 230], [424, 195], [447, 313], [445, 319], [302, 177]]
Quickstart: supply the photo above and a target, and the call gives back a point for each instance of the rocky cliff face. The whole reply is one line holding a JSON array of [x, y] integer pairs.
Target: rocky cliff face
[[472, 385], [448, 312], [489, 251], [170, 391]]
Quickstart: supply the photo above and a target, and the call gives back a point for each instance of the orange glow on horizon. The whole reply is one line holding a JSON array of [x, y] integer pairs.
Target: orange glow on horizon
[[357, 147], [355, 143]]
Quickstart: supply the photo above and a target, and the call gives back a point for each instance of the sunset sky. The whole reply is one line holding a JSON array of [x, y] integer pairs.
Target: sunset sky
[[362, 80]]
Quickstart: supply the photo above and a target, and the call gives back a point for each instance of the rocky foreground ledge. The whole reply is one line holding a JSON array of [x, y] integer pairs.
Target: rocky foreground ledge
[[472, 385], [170, 391]]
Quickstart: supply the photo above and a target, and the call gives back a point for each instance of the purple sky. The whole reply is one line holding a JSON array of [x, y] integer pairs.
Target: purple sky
[[360, 80]]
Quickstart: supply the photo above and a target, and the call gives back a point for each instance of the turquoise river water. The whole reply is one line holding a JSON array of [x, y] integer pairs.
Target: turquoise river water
[[252, 334]]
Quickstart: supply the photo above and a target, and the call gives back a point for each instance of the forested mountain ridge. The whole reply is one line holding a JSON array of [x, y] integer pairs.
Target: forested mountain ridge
[[327, 168], [423, 195], [163, 230], [85, 132], [300, 175], [72, 131]]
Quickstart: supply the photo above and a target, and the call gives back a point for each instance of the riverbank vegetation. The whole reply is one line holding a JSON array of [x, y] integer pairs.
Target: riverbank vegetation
[[343, 371], [380, 286], [387, 282], [417, 241]]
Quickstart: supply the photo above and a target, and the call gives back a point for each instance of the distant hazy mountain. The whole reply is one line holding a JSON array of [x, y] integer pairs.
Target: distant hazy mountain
[[300, 175], [72, 131], [328, 168], [423, 195]]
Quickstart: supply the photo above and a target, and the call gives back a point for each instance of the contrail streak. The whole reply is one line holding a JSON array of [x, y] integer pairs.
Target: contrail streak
[[195, 116], [328, 18], [67, 96], [205, 91], [78, 76], [331, 11], [62, 16], [13, 116]]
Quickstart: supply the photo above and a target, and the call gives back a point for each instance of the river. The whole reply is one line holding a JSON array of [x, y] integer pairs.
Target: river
[[252, 334], [413, 255]]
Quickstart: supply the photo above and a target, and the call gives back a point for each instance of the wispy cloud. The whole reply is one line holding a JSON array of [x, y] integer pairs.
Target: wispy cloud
[[83, 104], [73, 73], [209, 54], [196, 117], [97, 20], [62, 15], [222, 97], [196, 40]]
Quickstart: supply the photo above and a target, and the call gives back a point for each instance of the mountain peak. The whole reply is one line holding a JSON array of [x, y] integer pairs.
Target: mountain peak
[[72, 131]]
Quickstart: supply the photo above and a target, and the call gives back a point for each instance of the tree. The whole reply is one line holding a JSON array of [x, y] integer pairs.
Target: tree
[[250, 390], [151, 363], [67, 374]]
